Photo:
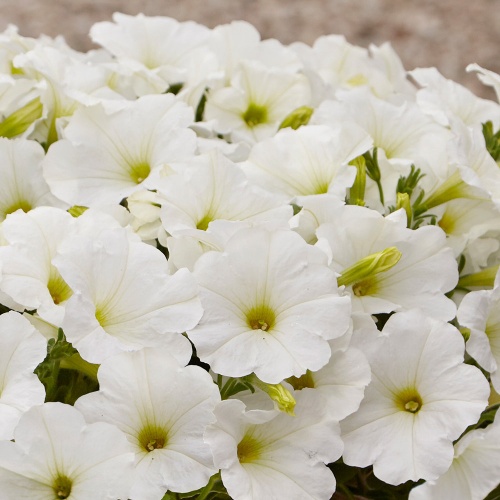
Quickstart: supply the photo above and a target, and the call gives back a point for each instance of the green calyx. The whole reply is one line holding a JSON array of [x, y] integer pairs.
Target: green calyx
[[361, 275]]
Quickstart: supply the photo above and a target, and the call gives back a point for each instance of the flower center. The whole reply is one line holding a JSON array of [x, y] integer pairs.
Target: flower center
[[62, 487], [447, 223], [152, 437], [365, 287], [409, 400], [248, 449], [24, 205], [261, 318], [255, 115], [305, 381], [204, 222], [139, 171], [58, 288]]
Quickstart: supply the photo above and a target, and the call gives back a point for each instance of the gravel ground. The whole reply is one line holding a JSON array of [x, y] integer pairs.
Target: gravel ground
[[448, 34]]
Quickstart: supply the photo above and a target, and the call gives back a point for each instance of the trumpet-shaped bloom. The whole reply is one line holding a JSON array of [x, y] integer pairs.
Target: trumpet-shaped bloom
[[211, 187], [22, 348], [264, 455], [56, 455], [123, 297], [109, 154], [425, 272], [310, 160], [22, 186], [271, 305], [164, 409], [160, 50], [421, 398], [28, 274], [257, 101]]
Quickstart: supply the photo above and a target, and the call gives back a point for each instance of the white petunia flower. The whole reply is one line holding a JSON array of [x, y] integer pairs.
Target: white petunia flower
[[474, 472], [159, 50], [22, 186], [447, 101], [344, 66], [65, 83], [421, 398], [22, 348], [56, 455], [308, 161], [123, 297], [28, 274], [109, 154], [210, 188], [425, 271], [264, 455], [271, 305], [403, 132], [256, 103], [163, 408]]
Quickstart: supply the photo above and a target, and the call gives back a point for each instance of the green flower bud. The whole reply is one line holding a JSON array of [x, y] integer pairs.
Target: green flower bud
[[77, 210], [278, 393], [297, 118], [19, 121], [403, 201], [357, 191], [370, 266]]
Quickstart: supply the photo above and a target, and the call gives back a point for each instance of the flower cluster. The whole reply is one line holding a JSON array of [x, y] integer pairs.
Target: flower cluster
[[231, 268]]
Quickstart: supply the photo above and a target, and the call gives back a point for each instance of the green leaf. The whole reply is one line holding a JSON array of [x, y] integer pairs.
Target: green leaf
[[492, 140]]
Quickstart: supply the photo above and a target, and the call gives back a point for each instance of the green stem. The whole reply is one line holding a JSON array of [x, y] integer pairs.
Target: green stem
[[380, 192], [208, 488], [228, 387]]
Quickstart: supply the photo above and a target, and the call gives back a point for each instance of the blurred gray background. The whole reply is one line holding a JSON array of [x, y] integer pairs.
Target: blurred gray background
[[448, 34]]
